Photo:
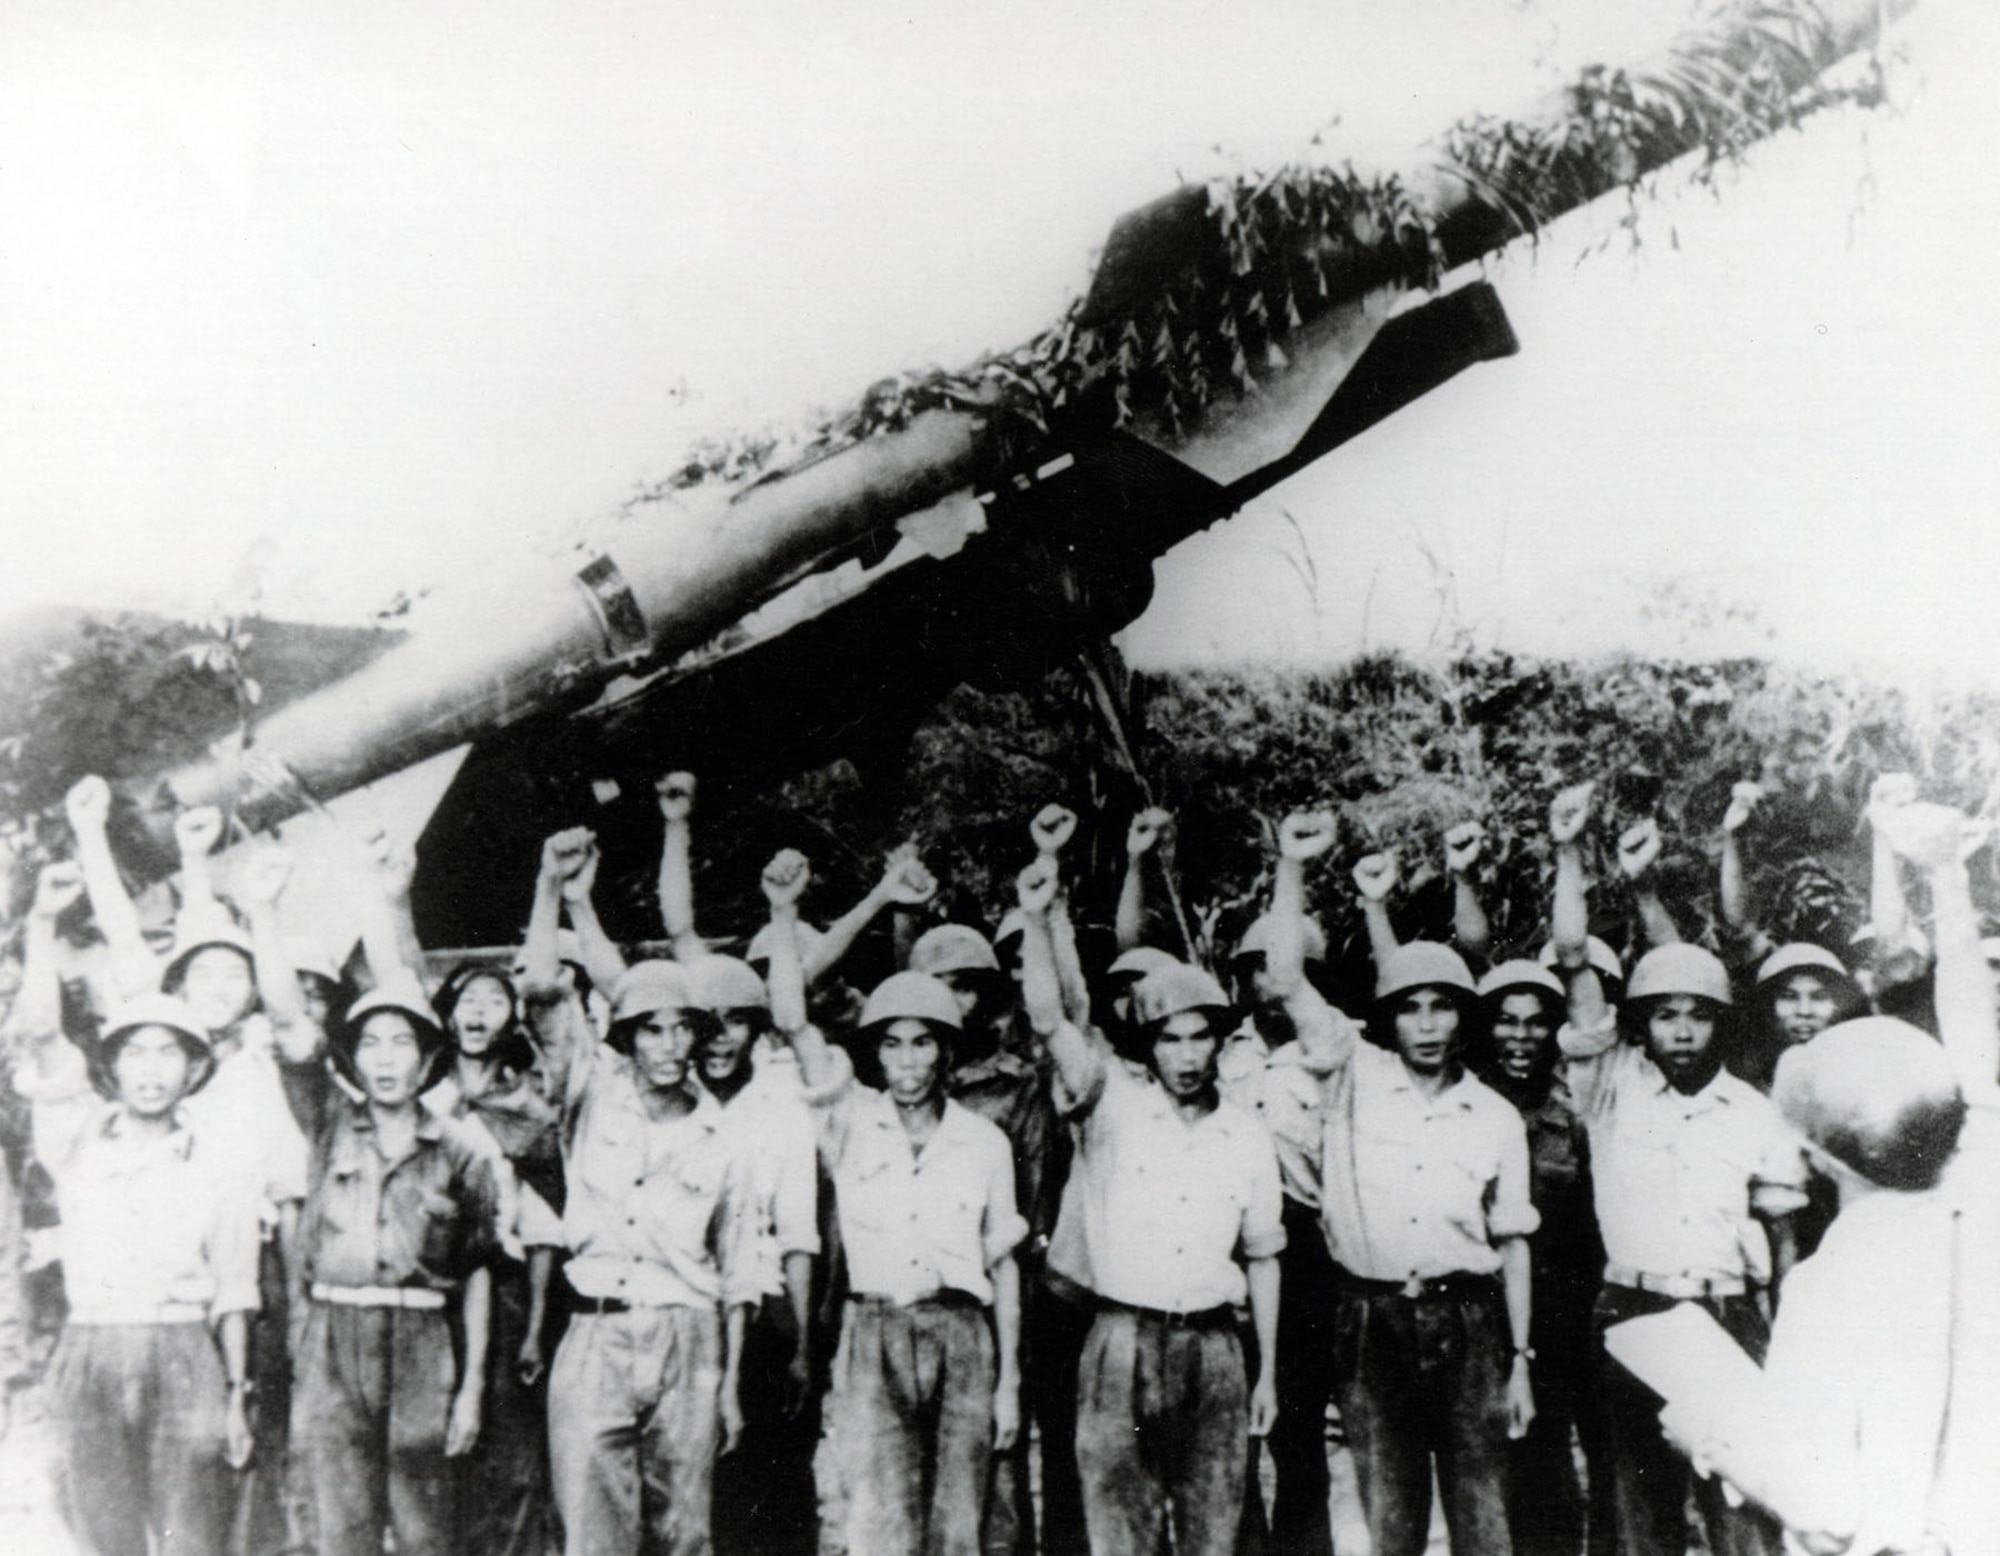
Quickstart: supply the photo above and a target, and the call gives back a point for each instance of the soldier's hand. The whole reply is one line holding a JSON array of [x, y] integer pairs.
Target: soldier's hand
[[1891, 791], [676, 792], [1053, 826], [1927, 835], [582, 881], [1638, 849], [1569, 811], [461, 1431], [1463, 844], [261, 879], [56, 888], [1035, 887], [197, 831], [1743, 801], [1306, 834], [1375, 877], [563, 853], [905, 881], [786, 877], [1263, 1407], [1520, 1400], [530, 1364], [237, 1441], [1148, 827], [1006, 1417], [395, 865], [88, 804], [729, 1410]]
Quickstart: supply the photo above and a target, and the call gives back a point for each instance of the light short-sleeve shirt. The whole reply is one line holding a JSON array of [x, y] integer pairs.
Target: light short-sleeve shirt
[[916, 1222], [153, 1223], [771, 1132], [1681, 1180], [245, 1113], [654, 1213], [1276, 1087], [1169, 1205], [1416, 1184]]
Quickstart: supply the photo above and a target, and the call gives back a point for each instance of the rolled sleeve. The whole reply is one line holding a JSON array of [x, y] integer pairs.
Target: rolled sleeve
[[234, 1246], [1073, 1100], [1263, 1231], [1512, 1213], [795, 1205], [1590, 1064], [1002, 1228]]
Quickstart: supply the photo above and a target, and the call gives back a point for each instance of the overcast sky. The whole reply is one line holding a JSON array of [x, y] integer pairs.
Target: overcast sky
[[330, 302]]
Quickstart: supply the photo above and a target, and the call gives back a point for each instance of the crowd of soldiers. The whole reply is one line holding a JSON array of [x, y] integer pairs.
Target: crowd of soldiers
[[698, 1251]]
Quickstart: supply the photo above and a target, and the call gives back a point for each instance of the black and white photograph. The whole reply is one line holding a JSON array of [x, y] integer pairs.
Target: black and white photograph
[[1071, 778]]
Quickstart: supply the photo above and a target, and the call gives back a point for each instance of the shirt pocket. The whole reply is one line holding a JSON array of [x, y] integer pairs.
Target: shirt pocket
[[867, 1193]]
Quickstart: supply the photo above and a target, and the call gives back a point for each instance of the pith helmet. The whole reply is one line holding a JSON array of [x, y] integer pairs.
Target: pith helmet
[[952, 948], [911, 996], [1174, 990], [406, 997], [1422, 964], [1256, 939], [1679, 969], [1142, 961], [1520, 974], [152, 1010], [1802, 956], [724, 983]]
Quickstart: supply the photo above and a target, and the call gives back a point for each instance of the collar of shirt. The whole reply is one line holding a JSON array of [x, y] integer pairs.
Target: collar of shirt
[[361, 1134], [1455, 1095], [1713, 1095], [177, 1142]]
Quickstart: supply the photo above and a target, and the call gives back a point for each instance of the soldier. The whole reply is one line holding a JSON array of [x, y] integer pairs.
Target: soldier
[[1695, 1178], [926, 1380], [401, 1217], [1169, 1183], [643, 1393]]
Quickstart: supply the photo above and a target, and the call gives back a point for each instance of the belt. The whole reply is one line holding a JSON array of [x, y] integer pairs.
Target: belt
[[579, 1303], [418, 1298], [1202, 1318], [944, 1296], [1455, 1286], [1684, 1288], [140, 1313]]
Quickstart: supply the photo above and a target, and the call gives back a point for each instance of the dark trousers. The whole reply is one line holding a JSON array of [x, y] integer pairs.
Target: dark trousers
[[143, 1407], [1547, 1505], [1423, 1382], [273, 1500], [505, 1495], [372, 1396], [1059, 1316], [762, 1503], [1650, 1478], [1307, 1293], [1163, 1412], [903, 1462]]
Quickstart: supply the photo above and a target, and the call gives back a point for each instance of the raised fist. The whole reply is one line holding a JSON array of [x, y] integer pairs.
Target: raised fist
[[1463, 845], [197, 831], [1053, 826], [564, 852], [676, 792], [395, 864], [56, 888], [1743, 798], [1375, 877], [1569, 811], [1306, 835], [1148, 827], [88, 804], [261, 879], [905, 881], [786, 877], [581, 881], [1035, 887], [1929, 836], [1890, 792], [1638, 849]]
